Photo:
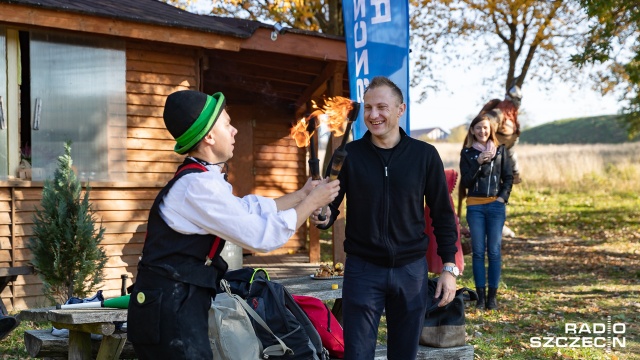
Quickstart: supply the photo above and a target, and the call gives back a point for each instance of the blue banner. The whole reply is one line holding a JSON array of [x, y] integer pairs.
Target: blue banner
[[377, 36]]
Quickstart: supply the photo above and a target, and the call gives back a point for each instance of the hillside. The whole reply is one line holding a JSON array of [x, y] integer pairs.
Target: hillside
[[590, 130]]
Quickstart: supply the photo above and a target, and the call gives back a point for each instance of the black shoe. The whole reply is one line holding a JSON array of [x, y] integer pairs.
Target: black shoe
[[7, 323], [481, 297], [492, 303]]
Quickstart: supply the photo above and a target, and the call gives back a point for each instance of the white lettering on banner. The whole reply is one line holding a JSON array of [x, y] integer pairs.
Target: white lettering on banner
[[362, 41], [361, 84], [359, 9], [381, 16], [363, 61]]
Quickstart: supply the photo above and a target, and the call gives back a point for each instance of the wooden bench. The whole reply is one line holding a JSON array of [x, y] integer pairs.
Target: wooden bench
[[42, 344], [9, 274]]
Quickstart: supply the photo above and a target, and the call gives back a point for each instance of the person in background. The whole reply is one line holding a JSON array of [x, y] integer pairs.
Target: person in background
[[193, 215], [386, 177], [505, 114], [487, 174]]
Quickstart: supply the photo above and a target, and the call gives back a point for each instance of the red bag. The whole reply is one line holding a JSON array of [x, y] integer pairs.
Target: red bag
[[325, 323]]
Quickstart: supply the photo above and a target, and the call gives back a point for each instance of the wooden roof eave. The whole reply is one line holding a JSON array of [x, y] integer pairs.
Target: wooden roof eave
[[308, 46], [333, 51], [19, 16]]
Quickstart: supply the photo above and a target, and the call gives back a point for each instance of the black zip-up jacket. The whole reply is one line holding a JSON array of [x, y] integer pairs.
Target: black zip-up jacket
[[385, 200], [489, 179]]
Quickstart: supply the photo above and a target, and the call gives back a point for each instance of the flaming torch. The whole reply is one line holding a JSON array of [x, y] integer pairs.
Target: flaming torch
[[302, 133], [333, 114], [351, 111]]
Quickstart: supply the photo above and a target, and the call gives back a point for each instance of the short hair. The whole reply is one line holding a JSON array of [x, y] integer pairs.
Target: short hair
[[385, 81]]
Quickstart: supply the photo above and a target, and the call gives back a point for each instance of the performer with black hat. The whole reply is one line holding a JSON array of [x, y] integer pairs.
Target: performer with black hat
[[181, 267]]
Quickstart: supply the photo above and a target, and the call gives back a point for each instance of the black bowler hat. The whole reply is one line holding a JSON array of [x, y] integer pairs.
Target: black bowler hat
[[189, 116]]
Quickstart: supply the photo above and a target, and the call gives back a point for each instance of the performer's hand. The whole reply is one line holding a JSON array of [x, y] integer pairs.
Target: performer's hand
[[309, 185], [324, 192]]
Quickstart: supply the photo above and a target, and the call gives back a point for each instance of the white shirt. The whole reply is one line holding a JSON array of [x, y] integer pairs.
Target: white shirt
[[202, 203]]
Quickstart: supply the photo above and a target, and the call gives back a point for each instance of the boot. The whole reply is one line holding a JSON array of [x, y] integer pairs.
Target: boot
[[481, 296], [492, 304]]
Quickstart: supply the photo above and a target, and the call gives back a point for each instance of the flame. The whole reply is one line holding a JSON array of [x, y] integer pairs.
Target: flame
[[333, 114], [300, 134], [337, 110]]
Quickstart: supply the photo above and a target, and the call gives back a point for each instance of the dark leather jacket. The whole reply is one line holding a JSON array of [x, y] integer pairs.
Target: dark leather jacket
[[489, 179]]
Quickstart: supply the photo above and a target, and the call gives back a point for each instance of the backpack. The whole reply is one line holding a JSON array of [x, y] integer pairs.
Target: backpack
[[277, 308], [231, 333], [325, 323]]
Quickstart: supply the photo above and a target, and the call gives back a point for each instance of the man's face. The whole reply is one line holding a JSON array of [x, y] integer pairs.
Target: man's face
[[224, 137], [382, 112]]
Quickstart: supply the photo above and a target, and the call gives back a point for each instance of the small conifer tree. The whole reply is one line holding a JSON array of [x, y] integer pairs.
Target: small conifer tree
[[65, 242]]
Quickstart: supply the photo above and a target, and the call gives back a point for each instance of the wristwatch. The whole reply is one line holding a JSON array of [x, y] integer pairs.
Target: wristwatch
[[452, 269]]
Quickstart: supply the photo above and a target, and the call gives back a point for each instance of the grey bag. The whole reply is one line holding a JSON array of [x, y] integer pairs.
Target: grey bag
[[231, 334]]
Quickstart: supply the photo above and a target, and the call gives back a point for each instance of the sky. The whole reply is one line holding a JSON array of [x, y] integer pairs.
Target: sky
[[463, 95]]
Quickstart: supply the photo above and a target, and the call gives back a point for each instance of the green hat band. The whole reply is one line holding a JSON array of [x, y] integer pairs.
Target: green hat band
[[201, 127]]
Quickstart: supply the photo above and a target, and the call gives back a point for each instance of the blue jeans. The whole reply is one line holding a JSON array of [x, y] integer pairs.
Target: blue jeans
[[485, 224], [369, 289]]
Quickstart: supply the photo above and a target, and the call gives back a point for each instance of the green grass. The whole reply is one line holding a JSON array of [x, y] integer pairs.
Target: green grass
[[576, 259]]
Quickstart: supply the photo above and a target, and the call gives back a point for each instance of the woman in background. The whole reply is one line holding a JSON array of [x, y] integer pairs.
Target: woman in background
[[487, 174]]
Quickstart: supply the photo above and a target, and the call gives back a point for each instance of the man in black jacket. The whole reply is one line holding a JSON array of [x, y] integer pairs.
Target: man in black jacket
[[386, 177]]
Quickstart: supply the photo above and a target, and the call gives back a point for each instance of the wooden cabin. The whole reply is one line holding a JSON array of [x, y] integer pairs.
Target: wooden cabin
[[97, 72]]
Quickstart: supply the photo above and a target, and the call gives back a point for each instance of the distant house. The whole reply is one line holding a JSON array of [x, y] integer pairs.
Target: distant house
[[434, 133]]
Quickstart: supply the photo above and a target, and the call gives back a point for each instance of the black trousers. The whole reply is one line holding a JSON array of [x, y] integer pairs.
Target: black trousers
[[168, 319]]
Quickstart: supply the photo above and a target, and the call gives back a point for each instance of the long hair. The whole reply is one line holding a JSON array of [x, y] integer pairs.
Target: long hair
[[469, 140]]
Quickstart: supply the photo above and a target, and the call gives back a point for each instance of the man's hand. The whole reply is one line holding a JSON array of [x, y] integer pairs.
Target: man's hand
[[446, 287], [314, 217]]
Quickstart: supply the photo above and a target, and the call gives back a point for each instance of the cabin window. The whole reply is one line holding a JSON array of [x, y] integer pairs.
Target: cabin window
[[77, 93], [58, 88]]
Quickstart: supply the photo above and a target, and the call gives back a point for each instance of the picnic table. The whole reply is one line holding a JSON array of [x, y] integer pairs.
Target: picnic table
[[81, 323]]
